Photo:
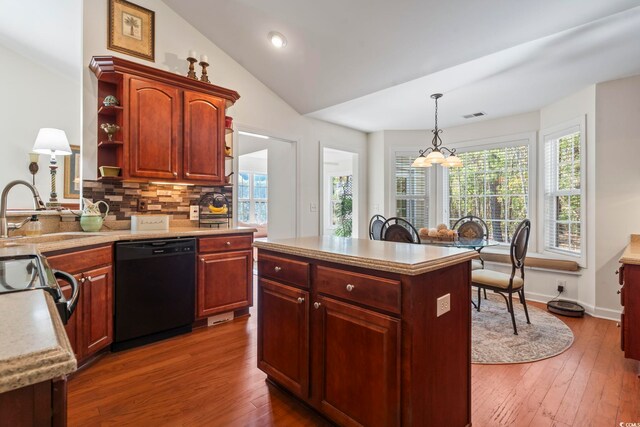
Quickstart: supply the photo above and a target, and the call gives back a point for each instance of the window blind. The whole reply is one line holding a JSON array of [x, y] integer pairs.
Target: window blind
[[493, 184], [563, 192], [412, 191]]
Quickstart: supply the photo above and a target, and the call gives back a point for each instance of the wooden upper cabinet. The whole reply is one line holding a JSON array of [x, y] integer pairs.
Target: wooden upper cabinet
[[154, 120], [203, 143], [172, 127]]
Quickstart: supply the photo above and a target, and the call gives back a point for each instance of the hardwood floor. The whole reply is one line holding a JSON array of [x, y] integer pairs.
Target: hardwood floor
[[209, 377]]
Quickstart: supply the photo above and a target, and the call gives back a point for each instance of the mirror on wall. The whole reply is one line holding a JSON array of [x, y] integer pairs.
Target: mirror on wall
[[41, 57]]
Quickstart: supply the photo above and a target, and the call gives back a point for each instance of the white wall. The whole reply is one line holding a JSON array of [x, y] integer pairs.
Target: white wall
[[41, 82], [618, 183], [258, 109]]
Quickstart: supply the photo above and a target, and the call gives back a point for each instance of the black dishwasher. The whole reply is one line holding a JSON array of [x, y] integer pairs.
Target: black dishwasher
[[155, 286]]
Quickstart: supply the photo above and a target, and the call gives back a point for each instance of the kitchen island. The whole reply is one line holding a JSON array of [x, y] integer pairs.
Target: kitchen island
[[368, 332]]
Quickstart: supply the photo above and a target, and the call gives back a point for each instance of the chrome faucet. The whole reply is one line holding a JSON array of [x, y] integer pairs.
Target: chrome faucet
[[6, 226]]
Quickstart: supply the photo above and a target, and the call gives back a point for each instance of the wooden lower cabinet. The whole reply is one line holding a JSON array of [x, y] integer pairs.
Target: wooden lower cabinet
[[224, 282], [41, 404], [283, 340], [630, 318], [358, 375], [96, 287], [90, 328], [365, 347]]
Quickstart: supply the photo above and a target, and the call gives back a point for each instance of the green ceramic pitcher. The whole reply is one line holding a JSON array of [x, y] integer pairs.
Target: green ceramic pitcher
[[92, 219]]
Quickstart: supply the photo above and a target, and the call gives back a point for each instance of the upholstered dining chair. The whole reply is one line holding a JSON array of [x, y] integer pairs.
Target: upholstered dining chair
[[473, 227], [375, 227], [399, 230], [504, 284]]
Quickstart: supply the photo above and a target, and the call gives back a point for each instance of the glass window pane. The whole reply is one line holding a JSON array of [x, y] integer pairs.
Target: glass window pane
[[243, 212], [243, 185], [260, 186]]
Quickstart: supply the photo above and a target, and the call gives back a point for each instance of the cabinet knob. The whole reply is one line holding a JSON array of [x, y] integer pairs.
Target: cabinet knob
[[89, 278], [187, 174], [175, 174], [350, 287], [228, 243], [316, 305], [277, 269], [300, 300], [83, 279]]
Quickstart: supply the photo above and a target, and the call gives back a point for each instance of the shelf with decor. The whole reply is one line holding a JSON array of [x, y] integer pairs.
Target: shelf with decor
[[110, 129], [110, 110]]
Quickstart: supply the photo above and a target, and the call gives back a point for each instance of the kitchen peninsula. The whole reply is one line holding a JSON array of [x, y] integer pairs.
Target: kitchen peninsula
[[368, 332]]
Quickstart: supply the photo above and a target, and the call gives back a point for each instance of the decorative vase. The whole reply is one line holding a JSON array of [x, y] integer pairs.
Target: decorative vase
[[91, 223], [110, 129]]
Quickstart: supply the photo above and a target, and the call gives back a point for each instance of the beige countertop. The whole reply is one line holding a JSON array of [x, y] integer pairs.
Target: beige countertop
[[70, 240], [403, 258], [33, 344], [631, 254]]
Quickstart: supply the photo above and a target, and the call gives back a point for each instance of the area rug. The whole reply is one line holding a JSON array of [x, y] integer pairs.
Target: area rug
[[493, 341]]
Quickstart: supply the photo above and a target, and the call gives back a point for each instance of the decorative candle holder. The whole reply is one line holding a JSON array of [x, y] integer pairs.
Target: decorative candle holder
[[204, 77], [192, 72]]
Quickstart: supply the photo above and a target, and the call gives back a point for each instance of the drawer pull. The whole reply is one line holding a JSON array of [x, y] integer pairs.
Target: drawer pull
[[83, 279], [228, 243], [300, 300], [316, 305], [187, 174], [175, 174], [350, 287], [277, 269]]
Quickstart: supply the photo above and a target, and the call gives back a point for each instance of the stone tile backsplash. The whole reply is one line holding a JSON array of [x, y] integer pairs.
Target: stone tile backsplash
[[123, 197]]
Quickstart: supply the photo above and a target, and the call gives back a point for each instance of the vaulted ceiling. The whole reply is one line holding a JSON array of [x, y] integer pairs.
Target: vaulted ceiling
[[371, 64]]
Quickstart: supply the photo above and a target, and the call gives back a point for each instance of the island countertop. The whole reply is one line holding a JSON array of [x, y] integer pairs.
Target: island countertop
[[404, 258], [33, 344], [631, 254]]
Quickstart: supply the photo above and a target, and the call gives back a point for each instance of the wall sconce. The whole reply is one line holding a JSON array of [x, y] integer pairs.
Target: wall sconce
[[33, 166]]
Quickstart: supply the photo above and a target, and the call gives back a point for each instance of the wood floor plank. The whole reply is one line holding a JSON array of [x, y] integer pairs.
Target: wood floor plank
[[210, 377]]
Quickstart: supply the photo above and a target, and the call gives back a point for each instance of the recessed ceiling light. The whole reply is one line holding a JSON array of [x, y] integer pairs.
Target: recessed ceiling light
[[277, 39]]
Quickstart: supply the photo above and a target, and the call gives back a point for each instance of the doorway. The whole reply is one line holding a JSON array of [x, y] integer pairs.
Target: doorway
[[266, 185], [339, 193]]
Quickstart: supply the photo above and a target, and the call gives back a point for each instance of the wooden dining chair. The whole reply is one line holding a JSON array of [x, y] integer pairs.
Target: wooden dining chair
[[398, 229], [474, 227], [504, 284], [375, 227]]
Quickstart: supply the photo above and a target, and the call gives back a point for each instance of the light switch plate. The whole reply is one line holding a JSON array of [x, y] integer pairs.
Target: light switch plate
[[444, 305], [313, 207]]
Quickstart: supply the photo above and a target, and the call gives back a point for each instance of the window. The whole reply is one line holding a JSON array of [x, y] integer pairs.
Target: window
[[252, 198], [564, 192], [493, 184], [412, 195]]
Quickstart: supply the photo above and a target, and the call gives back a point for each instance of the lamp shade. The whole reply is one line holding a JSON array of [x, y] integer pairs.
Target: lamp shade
[[435, 157], [52, 141], [421, 162]]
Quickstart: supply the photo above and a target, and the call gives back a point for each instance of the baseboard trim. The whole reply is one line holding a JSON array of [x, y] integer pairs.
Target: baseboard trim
[[603, 313]]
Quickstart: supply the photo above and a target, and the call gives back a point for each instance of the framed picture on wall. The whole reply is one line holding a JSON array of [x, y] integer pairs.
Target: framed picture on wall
[[72, 174], [131, 29]]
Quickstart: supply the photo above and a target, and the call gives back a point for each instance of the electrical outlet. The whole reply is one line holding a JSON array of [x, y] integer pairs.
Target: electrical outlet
[[142, 205], [560, 285], [313, 207], [444, 305]]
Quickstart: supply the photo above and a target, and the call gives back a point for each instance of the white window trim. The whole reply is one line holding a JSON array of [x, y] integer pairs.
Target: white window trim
[[527, 138], [431, 189], [252, 200], [555, 132]]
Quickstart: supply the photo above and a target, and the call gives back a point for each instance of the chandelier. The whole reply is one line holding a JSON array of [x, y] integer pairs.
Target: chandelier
[[435, 153]]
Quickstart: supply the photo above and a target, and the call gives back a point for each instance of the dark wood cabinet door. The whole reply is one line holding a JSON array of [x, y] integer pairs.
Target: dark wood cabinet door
[[203, 142], [154, 134], [97, 309], [630, 319], [224, 282], [283, 335], [357, 381]]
